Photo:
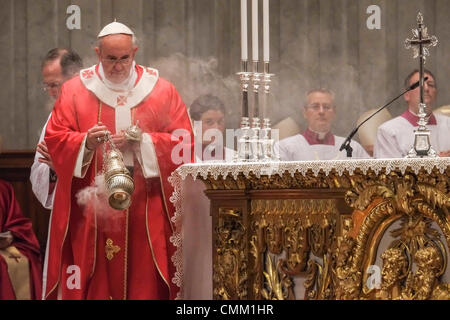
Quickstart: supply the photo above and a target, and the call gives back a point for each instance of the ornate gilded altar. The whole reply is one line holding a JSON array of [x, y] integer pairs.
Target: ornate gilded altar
[[359, 229]]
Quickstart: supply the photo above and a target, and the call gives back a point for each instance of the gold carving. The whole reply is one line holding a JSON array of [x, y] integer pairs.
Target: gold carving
[[280, 239], [441, 292], [290, 229], [296, 247], [397, 196], [278, 181], [347, 277], [429, 262], [416, 243], [230, 263], [111, 249], [276, 288], [240, 183], [395, 269], [318, 280]]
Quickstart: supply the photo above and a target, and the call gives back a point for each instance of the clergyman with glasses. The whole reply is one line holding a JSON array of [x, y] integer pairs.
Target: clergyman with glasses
[[317, 142], [125, 253], [395, 138], [58, 66]]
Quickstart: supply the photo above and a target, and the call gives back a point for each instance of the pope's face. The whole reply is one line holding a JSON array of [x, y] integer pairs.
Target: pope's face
[[319, 111], [116, 52], [429, 94], [52, 78]]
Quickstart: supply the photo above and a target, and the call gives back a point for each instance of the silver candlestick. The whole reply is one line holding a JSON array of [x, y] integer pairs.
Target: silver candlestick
[[256, 125], [266, 136], [256, 81], [243, 143], [267, 142], [255, 142], [420, 44]]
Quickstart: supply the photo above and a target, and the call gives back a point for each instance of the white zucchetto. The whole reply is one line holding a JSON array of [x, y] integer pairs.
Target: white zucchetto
[[115, 28]]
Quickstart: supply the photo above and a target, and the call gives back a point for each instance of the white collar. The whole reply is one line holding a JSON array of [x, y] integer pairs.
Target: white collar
[[125, 85], [426, 117], [320, 135], [127, 99]]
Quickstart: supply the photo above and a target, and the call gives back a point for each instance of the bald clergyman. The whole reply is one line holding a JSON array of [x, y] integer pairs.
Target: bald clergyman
[[317, 142]]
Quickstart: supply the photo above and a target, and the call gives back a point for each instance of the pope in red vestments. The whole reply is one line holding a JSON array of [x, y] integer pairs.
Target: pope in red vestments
[[94, 251], [23, 239]]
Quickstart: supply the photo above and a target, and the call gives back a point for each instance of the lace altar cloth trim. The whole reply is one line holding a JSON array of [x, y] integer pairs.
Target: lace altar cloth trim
[[223, 169]]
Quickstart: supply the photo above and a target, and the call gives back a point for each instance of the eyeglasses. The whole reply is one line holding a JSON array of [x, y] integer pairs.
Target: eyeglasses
[[51, 85], [316, 107], [123, 61]]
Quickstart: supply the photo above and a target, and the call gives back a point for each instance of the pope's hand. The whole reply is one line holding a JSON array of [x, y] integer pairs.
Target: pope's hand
[[120, 141], [96, 136]]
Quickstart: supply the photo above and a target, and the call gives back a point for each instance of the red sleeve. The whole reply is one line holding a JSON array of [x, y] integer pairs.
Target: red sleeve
[[172, 116], [63, 136]]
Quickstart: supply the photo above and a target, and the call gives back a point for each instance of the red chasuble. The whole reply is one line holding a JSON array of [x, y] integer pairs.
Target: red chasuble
[[98, 252], [12, 219]]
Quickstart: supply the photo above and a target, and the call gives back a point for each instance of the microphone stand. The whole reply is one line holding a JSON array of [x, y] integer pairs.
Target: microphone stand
[[346, 144]]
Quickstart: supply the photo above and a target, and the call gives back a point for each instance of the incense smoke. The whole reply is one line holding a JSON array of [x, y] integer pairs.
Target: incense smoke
[[95, 199], [194, 77]]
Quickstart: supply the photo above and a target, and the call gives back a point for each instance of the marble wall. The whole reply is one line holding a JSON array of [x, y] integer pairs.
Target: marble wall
[[196, 45]]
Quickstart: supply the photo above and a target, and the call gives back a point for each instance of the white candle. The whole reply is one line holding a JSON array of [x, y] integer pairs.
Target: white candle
[[255, 30], [266, 30], [244, 41]]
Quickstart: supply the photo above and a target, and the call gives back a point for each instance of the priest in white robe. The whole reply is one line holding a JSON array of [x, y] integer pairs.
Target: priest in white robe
[[58, 66], [395, 138], [317, 142]]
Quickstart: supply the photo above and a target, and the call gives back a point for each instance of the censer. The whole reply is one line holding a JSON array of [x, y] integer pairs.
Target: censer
[[118, 181]]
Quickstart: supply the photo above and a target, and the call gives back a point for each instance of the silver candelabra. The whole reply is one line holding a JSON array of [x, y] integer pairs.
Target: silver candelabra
[[255, 143]]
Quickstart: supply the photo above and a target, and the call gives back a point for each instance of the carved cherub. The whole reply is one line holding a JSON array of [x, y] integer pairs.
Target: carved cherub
[[347, 278], [441, 292], [429, 265], [395, 268]]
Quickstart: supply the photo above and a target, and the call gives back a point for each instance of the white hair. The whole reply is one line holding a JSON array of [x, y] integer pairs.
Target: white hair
[[133, 40]]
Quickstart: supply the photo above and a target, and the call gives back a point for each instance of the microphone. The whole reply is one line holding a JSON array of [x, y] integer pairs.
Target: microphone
[[346, 144]]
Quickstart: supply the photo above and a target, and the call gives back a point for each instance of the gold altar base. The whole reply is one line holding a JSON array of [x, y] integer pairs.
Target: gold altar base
[[326, 229]]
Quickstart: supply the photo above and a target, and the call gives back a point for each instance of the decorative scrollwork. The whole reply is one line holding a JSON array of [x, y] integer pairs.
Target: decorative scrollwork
[[277, 285], [329, 247], [296, 247], [291, 230], [347, 278], [231, 258]]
